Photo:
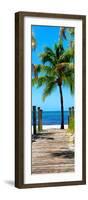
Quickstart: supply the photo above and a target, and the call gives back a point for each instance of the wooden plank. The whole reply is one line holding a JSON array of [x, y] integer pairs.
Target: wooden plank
[[34, 120], [51, 153]]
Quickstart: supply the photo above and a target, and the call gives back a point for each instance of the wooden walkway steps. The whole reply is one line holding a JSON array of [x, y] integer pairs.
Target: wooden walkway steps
[[51, 153]]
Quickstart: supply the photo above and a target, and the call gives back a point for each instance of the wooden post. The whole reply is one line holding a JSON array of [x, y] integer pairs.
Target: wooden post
[[69, 112], [34, 120], [41, 119], [38, 118], [73, 111], [69, 115], [68, 119]]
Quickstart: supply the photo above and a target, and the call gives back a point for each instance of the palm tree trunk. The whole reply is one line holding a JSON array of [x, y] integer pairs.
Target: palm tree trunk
[[62, 107]]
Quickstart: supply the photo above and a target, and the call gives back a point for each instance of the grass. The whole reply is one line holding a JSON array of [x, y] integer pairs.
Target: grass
[[71, 125]]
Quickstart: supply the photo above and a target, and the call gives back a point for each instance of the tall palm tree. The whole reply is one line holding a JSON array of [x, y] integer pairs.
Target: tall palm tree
[[59, 69]]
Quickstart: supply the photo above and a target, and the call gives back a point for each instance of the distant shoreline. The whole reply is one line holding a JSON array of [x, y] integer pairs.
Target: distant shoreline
[[52, 127]]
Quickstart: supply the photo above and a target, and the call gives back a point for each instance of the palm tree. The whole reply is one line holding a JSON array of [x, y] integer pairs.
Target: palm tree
[[67, 33], [33, 41], [59, 69]]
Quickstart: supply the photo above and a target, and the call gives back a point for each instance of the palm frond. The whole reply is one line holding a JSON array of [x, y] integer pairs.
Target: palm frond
[[47, 56], [47, 70], [59, 49], [34, 81], [71, 30], [69, 80], [63, 33], [39, 81], [36, 69], [64, 66], [49, 51], [48, 90], [67, 56]]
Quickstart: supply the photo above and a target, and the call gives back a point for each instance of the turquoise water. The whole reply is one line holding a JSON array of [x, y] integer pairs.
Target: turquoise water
[[53, 117]]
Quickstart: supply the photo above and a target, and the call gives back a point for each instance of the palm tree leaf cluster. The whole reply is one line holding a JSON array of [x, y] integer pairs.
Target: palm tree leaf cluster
[[59, 68]]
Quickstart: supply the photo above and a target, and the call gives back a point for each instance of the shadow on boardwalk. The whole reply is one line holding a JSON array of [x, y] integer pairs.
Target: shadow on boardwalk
[[50, 152], [42, 136], [64, 154]]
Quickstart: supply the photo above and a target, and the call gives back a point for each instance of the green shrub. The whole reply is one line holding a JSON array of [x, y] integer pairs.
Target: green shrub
[[71, 125]]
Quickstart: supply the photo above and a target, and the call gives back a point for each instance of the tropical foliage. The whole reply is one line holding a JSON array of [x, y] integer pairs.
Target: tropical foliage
[[71, 125]]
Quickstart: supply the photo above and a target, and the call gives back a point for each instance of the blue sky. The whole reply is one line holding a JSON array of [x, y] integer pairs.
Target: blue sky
[[48, 36]]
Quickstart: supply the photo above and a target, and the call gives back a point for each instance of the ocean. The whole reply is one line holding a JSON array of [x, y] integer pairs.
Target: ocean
[[52, 117]]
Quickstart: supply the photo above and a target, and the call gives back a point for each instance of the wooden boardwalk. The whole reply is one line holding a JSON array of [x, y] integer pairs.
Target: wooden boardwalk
[[51, 153]]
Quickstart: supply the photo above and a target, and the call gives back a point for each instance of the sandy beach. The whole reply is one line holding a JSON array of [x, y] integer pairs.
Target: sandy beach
[[51, 127]]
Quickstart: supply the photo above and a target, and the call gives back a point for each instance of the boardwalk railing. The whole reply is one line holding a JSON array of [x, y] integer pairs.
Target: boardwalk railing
[[34, 120], [37, 127], [39, 110]]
